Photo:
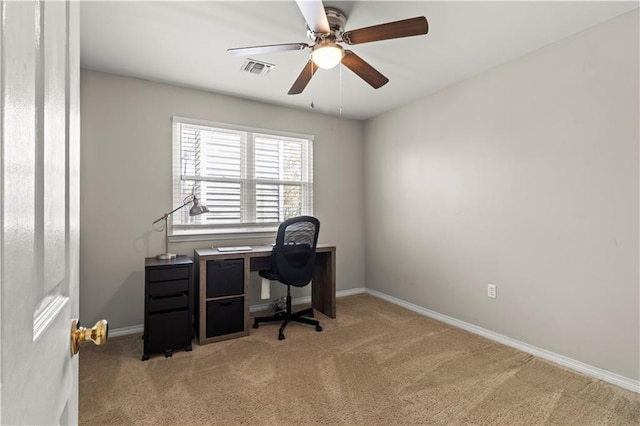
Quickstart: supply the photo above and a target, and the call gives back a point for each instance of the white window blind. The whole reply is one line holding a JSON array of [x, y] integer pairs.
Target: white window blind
[[250, 179]]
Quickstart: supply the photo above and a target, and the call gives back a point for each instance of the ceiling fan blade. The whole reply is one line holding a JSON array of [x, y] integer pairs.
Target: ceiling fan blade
[[271, 48], [405, 28], [303, 79], [365, 71], [314, 14]]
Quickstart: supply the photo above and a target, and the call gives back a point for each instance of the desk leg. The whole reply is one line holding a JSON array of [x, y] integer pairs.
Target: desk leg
[[323, 287]]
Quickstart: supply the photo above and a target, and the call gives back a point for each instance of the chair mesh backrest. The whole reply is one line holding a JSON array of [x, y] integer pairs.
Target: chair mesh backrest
[[295, 250]]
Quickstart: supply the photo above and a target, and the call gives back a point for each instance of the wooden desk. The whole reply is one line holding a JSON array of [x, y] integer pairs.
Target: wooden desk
[[323, 287]]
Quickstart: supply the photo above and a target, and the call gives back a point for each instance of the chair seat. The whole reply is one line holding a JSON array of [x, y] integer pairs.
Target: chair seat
[[270, 275]]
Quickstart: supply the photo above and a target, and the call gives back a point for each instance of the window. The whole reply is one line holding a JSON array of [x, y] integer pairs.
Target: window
[[251, 179]]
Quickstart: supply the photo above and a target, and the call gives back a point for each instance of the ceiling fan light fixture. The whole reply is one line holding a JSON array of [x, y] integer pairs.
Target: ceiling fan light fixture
[[327, 54]]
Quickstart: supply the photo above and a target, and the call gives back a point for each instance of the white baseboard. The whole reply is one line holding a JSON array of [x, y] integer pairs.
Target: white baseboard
[[135, 329], [125, 331], [351, 292], [307, 299], [589, 370]]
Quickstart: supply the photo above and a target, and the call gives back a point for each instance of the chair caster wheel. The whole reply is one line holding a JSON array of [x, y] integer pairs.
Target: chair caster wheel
[[281, 336], [318, 328], [255, 325], [145, 357]]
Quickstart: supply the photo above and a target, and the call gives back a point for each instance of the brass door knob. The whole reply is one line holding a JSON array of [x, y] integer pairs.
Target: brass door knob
[[97, 334]]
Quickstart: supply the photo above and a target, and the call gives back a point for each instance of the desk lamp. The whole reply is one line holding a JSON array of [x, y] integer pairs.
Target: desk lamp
[[196, 209]]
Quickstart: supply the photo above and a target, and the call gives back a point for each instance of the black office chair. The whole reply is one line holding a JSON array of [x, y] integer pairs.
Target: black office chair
[[292, 261]]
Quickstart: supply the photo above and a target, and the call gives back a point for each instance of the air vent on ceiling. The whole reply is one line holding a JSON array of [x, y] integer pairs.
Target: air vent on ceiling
[[256, 67]]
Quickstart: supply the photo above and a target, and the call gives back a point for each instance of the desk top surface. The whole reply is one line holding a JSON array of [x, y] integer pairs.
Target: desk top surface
[[179, 260], [255, 251]]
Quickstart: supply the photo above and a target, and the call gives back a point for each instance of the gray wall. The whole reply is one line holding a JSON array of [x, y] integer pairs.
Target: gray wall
[[526, 177], [126, 184]]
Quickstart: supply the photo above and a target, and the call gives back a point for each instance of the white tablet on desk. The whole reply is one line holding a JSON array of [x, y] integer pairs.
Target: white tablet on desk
[[233, 248]]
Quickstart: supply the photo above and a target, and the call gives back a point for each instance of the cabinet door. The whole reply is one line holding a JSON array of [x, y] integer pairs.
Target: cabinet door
[[169, 330]]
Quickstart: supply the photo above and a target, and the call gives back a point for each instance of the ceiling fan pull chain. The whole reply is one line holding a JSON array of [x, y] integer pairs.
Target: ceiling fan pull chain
[[312, 106], [341, 89]]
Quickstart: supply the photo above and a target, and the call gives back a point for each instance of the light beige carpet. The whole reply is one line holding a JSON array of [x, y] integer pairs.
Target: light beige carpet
[[375, 364]]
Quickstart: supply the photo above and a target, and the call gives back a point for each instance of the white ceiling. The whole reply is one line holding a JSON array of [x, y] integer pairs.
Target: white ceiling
[[184, 43]]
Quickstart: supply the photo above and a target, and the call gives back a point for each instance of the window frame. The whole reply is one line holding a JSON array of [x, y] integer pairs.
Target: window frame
[[180, 232]]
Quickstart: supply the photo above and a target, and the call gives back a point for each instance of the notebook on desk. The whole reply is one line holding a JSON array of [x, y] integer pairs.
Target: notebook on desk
[[233, 248]]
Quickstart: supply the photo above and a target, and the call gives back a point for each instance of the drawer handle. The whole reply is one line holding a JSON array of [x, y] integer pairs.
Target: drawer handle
[[224, 304], [168, 296]]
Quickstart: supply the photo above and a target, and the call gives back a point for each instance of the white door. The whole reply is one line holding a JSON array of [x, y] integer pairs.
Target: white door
[[39, 212]]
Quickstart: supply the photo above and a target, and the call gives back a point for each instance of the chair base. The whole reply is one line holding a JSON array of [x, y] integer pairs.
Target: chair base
[[287, 317]]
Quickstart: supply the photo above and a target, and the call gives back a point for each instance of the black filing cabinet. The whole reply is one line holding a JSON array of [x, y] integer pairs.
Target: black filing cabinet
[[168, 305], [223, 304], [225, 297]]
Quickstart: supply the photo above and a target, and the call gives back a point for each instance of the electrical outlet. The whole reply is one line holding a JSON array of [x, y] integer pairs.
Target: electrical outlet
[[492, 291]]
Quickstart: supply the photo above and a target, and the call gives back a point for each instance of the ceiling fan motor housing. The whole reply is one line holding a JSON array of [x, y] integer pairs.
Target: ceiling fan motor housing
[[337, 21]]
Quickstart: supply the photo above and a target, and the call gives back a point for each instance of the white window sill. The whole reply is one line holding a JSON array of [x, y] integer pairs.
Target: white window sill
[[224, 234]]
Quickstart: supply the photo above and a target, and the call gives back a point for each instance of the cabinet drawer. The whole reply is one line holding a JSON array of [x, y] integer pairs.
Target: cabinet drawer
[[168, 288], [168, 303], [225, 316], [225, 277], [168, 274]]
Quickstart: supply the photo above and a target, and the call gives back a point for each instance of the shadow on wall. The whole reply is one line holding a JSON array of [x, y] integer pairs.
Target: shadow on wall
[[141, 243], [128, 302]]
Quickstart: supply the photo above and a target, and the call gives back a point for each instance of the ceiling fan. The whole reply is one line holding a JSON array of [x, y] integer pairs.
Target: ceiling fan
[[325, 28]]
